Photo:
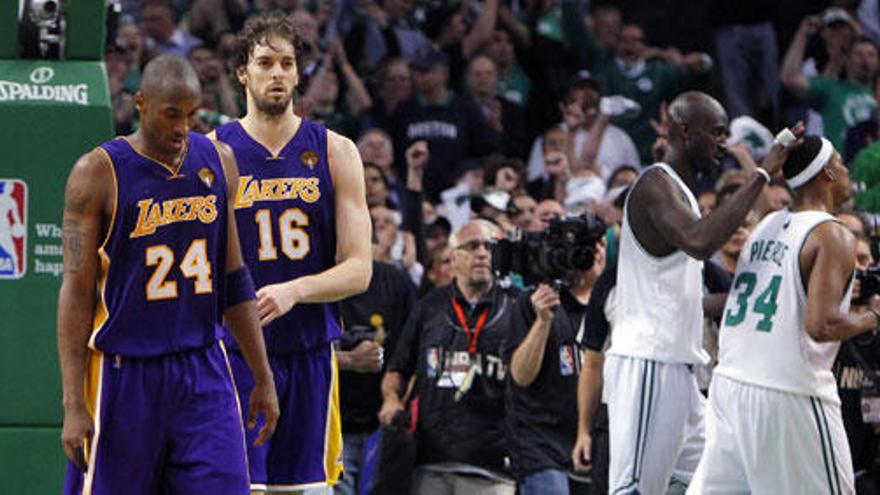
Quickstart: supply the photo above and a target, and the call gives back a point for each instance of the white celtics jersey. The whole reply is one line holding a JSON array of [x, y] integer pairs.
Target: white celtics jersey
[[659, 313], [763, 338]]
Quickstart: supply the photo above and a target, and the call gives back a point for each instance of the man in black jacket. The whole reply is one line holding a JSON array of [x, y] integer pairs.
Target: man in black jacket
[[450, 344]]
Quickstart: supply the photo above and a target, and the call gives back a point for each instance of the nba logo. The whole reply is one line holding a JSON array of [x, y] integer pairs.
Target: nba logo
[[13, 228], [566, 360]]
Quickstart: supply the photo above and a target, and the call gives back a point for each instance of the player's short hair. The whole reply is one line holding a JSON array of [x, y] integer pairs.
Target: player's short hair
[[801, 156], [258, 30]]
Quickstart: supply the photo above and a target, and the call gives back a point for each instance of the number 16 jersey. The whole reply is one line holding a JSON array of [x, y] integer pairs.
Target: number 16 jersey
[[763, 337], [285, 211]]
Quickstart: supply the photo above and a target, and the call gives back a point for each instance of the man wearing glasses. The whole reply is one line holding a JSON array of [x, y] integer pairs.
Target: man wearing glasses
[[451, 344]]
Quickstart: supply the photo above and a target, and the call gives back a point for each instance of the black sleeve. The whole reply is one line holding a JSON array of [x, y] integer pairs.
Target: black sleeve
[[520, 319], [484, 140], [596, 326], [715, 279], [412, 221], [404, 294], [405, 357]]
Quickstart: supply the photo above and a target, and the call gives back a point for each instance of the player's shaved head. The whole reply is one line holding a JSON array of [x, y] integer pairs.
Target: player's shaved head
[[698, 131], [167, 74], [694, 107]]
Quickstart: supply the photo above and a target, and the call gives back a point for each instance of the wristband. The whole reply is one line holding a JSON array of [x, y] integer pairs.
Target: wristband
[[763, 173], [239, 287]]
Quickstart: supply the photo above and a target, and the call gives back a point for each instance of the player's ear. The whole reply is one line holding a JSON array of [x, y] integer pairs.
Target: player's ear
[[139, 101], [829, 174], [241, 74]]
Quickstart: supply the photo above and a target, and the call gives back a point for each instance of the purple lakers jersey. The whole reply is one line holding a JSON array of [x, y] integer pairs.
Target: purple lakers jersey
[[286, 223], [164, 256]]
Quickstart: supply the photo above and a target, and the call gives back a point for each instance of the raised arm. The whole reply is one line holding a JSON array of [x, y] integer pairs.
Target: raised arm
[[790, 73], [88, 206], [657, 197], [827, 262], [241, 312], [354, 262], [481, 32]]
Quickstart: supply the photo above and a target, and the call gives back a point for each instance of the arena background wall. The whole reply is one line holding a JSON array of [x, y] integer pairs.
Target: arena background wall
[[51, 112]]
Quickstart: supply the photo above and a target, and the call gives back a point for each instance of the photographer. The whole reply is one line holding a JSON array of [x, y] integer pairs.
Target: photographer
[[450, 343], [544, 361], [856, 363]]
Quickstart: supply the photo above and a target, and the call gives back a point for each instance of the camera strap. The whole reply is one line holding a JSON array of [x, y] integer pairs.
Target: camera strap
[[473, 337]]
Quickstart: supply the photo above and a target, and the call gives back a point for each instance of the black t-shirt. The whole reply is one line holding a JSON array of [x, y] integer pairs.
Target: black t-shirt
[[455, 131], [434, 346], [863, 441], [542, 418], [385, 305], [596, 325]]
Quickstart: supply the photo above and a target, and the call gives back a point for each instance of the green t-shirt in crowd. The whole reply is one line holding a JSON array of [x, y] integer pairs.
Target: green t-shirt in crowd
[[515, 86], [842, 105]]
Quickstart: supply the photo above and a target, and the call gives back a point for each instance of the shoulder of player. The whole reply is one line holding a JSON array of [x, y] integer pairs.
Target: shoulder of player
[[94, 169], [832, 238], [341, 151], [90, 182], [654, 184]]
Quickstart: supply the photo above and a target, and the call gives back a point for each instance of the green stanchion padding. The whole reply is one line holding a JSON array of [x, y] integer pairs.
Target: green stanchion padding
[[86, 27], [32, 460], [8, 29], [51, 113]]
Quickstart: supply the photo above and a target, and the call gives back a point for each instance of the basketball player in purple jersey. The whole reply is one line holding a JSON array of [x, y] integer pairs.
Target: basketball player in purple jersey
[[152, 264], [305, 235]]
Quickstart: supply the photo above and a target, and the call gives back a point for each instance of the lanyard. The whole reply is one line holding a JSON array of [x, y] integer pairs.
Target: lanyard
[[481, 322]]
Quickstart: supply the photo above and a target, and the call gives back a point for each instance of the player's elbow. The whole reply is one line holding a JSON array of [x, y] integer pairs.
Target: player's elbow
[[827, 329], [363, 275], [699, 251]]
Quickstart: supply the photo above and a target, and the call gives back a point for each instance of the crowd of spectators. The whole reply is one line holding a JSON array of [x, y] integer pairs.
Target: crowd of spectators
[[518, 112]]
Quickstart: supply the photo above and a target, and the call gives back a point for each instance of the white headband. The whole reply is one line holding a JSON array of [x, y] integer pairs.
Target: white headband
[[814, 167]]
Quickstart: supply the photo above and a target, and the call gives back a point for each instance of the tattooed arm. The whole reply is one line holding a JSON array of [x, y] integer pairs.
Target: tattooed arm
[[88, 204]]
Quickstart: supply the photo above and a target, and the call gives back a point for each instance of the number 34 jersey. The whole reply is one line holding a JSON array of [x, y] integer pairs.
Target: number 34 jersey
[[285, 212], [763, 337], [162, 263]]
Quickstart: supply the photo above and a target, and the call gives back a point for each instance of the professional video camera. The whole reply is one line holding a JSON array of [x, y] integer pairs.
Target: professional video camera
[[552, 256], [42, 29]]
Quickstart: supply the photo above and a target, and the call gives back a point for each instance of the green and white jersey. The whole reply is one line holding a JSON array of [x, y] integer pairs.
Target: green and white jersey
[[659, 312], [763, 338]]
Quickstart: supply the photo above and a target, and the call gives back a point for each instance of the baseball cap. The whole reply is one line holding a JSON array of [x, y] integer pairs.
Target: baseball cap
[[833, 15], [496, 198], [753, 134], [427, 57]]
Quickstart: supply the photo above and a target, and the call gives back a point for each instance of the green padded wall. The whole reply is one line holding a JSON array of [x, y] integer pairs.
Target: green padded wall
[[85, 29], [32, 459], [51, 112], [8, 28]]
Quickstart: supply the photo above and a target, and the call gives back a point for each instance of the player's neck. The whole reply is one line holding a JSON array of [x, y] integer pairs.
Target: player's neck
[[143, 147], [679, 163], [812, 202], [272, 131]]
